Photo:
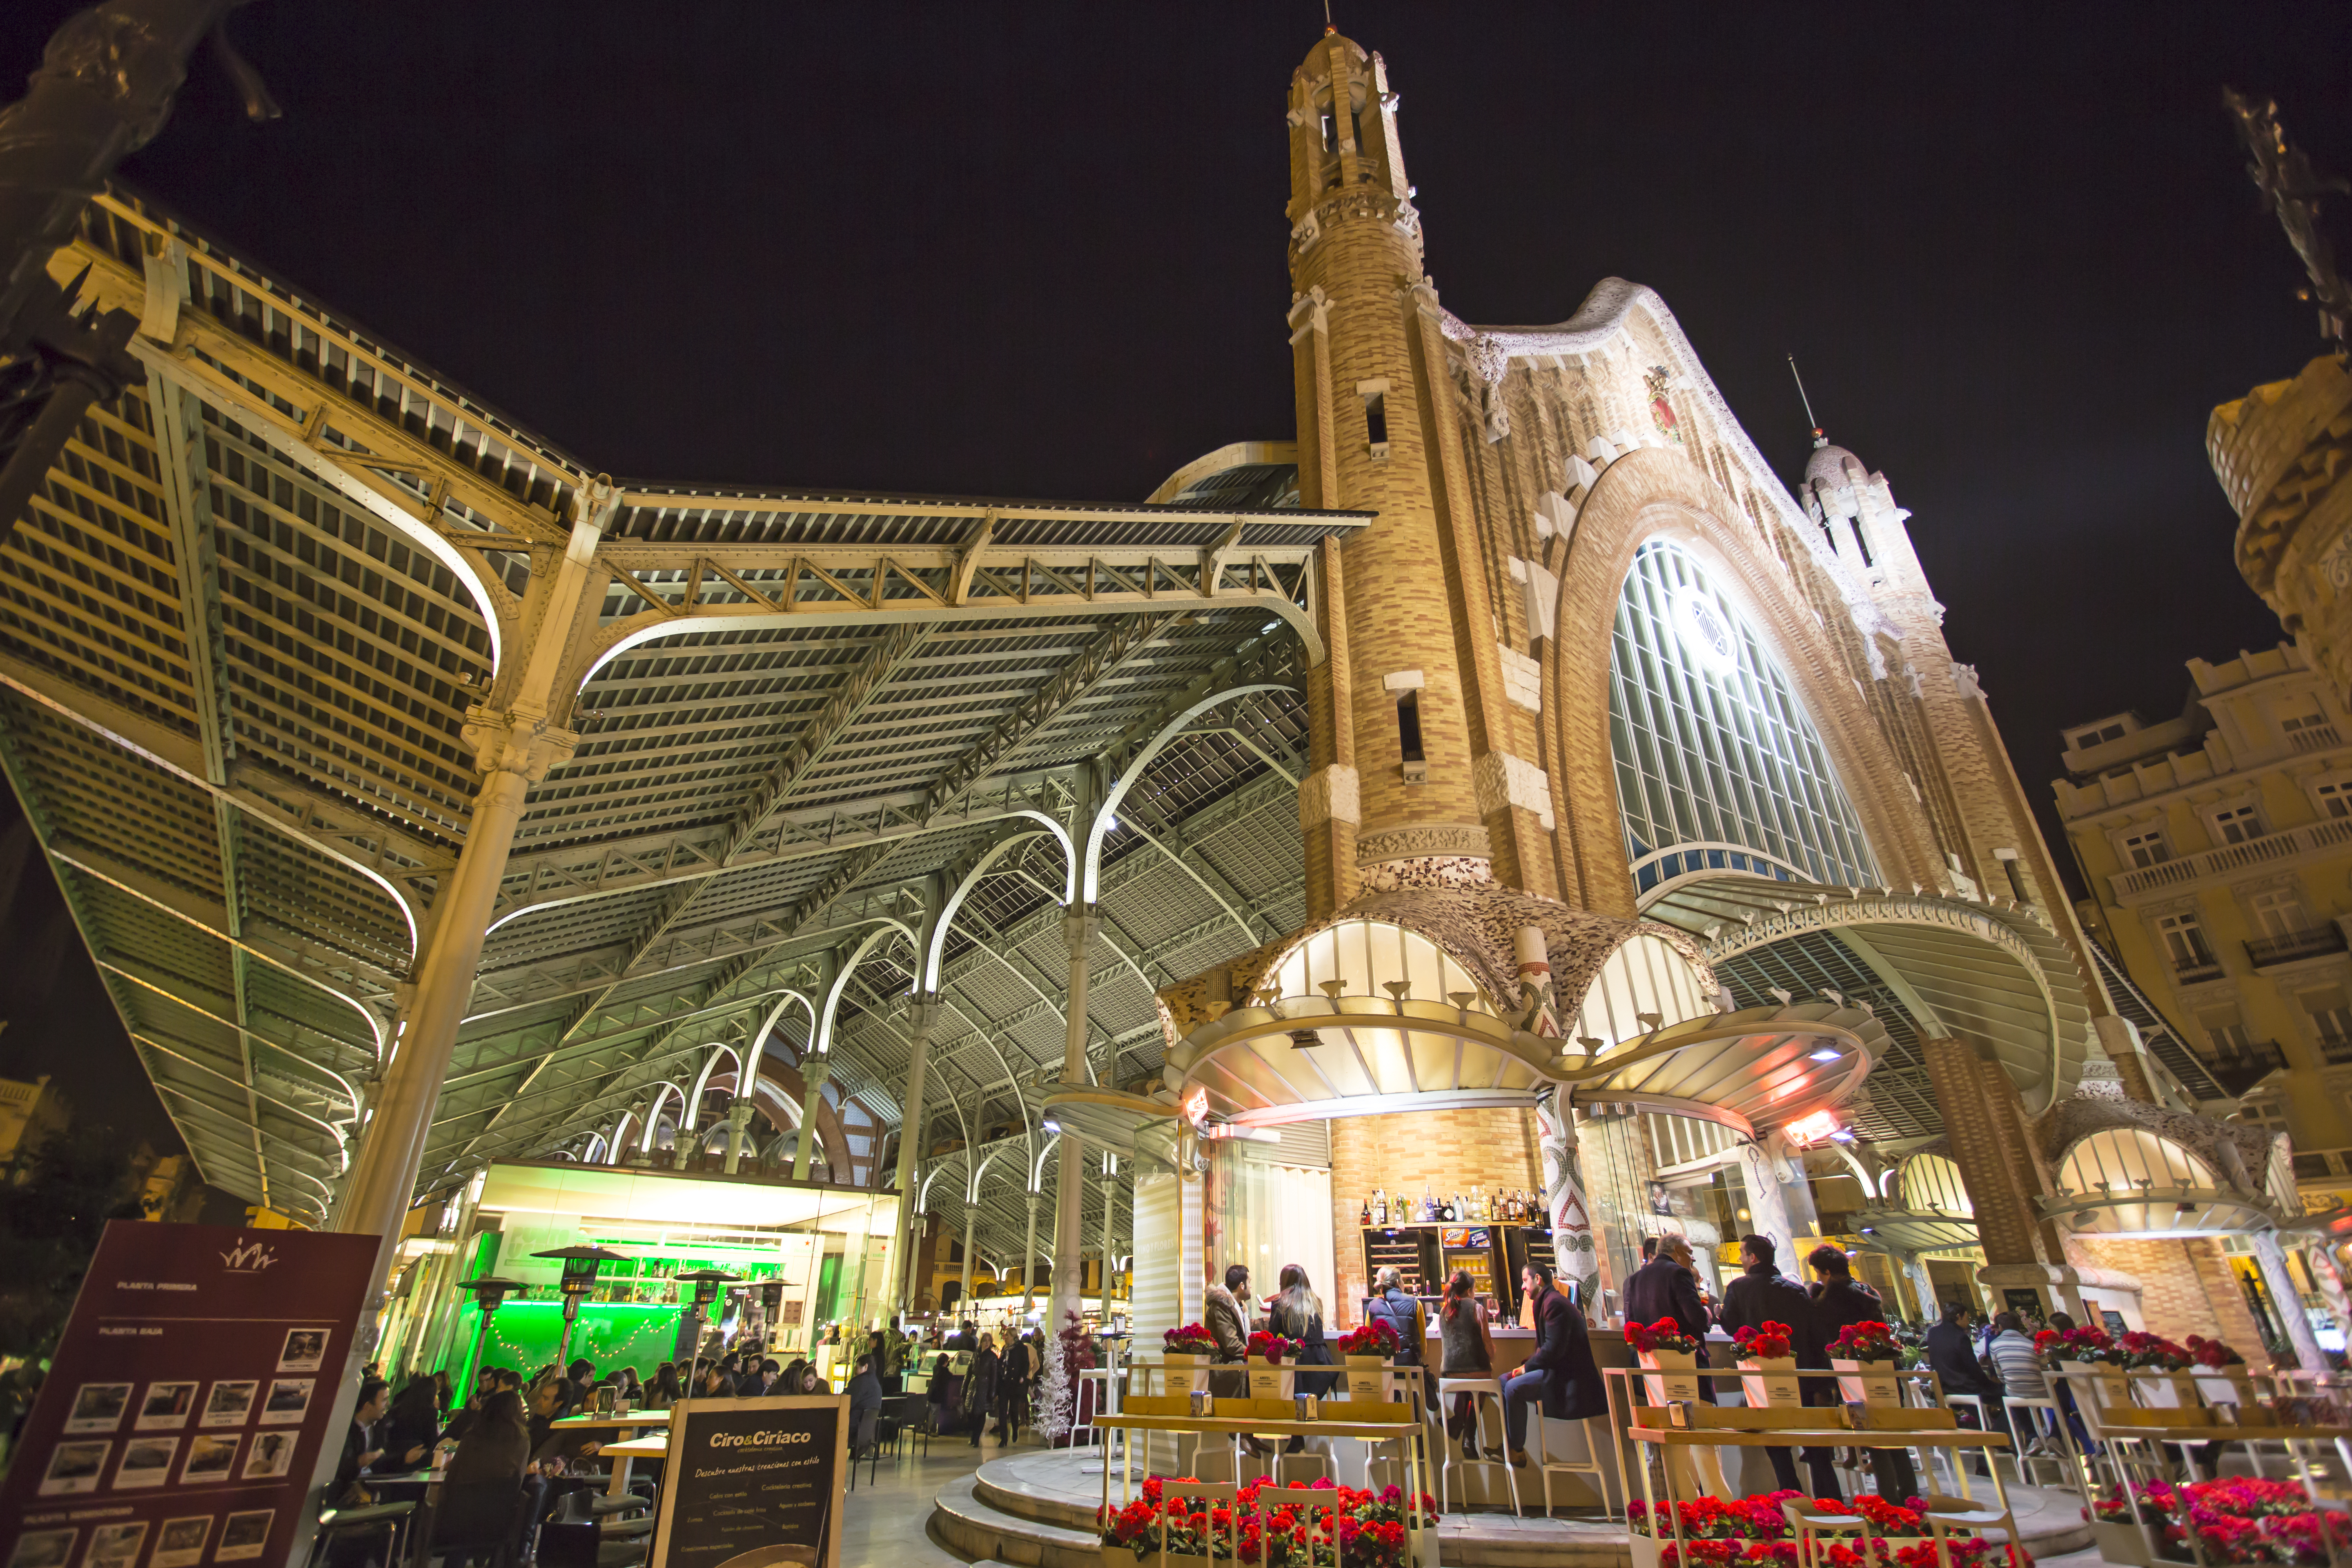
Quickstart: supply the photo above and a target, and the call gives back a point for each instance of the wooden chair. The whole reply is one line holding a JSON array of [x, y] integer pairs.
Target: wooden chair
[[1946, 1516], [1806, 1517]]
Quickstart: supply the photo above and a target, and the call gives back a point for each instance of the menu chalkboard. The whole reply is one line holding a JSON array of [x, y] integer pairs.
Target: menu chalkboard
[[183, 1417], [750, 1483]]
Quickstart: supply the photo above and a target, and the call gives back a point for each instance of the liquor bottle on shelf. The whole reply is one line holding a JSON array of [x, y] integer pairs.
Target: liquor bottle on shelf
[[1447, 1211], [1428, 1205], [1379, 1206], [1367, 1220], [1478, 1205]]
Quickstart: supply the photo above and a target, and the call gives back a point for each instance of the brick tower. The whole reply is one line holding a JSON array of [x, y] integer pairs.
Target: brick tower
[[1408, 788]]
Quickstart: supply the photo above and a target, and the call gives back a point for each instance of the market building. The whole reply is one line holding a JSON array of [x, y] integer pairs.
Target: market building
[[1505, 790]]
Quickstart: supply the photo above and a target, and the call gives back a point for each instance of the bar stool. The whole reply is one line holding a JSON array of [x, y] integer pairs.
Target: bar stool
[[1955, 1458], [1479, 1389], [1594, 1445], [2045, 1422], [1082, 1418]]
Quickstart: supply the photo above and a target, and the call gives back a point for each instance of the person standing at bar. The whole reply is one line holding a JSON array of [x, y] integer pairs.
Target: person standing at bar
[[1228, 1322], [1840, 1300], [1667, 1287], [1761, 1295]]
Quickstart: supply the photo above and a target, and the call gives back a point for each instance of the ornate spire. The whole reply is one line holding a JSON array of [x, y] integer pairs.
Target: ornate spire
[[2286, 179]]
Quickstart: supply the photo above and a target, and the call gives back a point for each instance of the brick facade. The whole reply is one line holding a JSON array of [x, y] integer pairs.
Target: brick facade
[[1450, 1150], [2186, 1287]]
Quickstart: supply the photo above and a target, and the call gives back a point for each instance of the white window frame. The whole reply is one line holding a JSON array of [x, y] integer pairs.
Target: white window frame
[[2238, 815], [2331, 795], [2132, 837]]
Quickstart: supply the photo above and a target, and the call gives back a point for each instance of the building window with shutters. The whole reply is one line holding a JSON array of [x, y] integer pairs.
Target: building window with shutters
[[2146, 848], [2334, 797]]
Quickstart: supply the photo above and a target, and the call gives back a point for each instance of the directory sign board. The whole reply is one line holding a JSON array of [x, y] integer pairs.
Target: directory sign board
[[183, 1416], [750, 1483]]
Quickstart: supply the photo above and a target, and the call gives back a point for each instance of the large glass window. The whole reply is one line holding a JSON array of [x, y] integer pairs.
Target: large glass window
[[1711, 745]]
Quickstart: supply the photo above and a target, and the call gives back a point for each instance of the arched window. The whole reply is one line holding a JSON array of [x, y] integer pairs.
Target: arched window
[[2124, 1160], [1932, 1185], [1710, 743], [1364, 957]]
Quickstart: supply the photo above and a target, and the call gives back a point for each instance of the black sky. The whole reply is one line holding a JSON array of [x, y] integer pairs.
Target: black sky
[[1037, 249]]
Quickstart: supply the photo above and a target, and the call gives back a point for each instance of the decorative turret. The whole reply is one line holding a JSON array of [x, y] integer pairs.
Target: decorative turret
[[1854, 509], [1409, 785]]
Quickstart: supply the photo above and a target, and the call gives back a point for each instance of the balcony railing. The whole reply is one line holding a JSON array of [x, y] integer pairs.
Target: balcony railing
[[2334, 833], [2196, 973], [2239, 1069], [2315, 738], [2295, 946]]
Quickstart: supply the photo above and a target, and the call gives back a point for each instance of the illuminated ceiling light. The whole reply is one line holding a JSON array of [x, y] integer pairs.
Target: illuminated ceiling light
[[1827, 1054], [1812, 1129], [1050, 1125]]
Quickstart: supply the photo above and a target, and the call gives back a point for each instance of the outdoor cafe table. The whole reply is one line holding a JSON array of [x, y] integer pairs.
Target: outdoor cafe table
[[1410, 1432], [619, 1483], [652, 1445]]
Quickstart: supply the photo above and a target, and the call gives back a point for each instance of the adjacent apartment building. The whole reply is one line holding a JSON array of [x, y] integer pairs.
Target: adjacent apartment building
[[2216, 847]]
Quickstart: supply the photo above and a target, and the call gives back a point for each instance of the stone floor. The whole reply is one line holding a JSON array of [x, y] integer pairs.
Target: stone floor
[[887, 1524]]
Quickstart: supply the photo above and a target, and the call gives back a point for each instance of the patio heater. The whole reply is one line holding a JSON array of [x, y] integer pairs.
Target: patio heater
[[708, 1284], [580, 1265], [488, 1295]]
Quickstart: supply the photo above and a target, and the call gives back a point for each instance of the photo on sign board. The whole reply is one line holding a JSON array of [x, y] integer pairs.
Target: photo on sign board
[[99, 1407], [181, 1543], [146, 1462], [209, 1459], [245, 1534], [289, 1399], [166, 1407], [305, 1350], [74, 1468], [272, 1456], [115, 1545], [230, 1402], [42, 1549]]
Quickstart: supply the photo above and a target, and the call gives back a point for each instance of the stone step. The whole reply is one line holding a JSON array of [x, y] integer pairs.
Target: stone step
[[981, 1532]]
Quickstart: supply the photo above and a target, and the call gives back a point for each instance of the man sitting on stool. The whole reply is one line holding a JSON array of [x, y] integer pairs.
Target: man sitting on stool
[[1561, 1373]]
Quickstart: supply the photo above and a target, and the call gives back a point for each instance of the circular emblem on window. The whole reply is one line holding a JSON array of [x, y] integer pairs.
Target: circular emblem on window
[[1706, 633]]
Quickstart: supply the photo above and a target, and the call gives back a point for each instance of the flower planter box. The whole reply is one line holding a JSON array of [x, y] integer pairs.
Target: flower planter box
[[1270, 1381], [2233, 1386], [1866, 1382], [2124, 1543], [1186, 1372], [1678, 1375], [1770, 1383], [2165, 1390], [2108, 1384], [1368, 1377]]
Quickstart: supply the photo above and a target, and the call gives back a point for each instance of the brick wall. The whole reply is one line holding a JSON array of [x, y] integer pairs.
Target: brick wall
[[2186, 1287], [1450, 1150]]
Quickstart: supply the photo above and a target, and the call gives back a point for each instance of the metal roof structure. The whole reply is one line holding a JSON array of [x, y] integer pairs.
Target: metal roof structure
[[243, 624]]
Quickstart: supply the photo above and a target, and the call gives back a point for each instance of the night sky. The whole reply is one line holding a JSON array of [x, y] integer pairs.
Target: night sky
[[1037, 250]]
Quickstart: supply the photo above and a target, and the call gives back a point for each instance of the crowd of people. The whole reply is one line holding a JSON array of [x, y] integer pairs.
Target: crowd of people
[[975, 1383], [506, 1432], [1558, 1377]]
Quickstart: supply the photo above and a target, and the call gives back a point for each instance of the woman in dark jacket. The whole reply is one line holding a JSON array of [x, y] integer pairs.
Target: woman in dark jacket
[[497, 1445], [413, 1425], [1297, 1314], [980, 1391], [1013, 1389]]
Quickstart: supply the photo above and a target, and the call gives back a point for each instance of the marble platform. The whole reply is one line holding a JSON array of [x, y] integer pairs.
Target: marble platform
[[1035, 1508]]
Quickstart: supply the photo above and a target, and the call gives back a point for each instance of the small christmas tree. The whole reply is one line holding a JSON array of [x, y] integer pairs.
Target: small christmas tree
[[1057, 1398]]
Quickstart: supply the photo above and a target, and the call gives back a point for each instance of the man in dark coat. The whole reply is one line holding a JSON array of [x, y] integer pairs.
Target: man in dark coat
[[1667, 1287], [1952, 1355], [1560, 1373], [1762, 1295], [1843, 1299]]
